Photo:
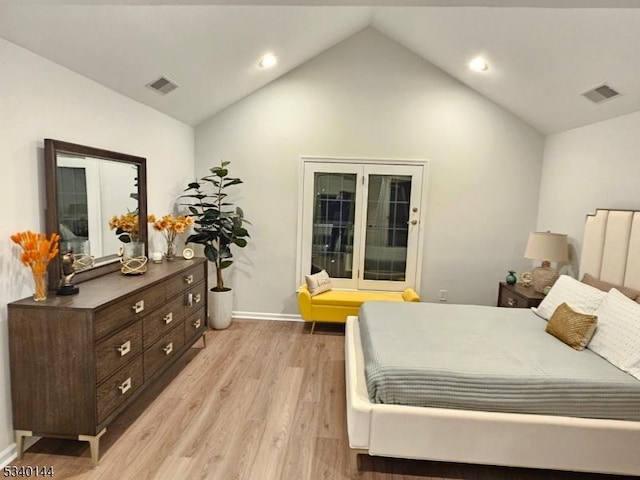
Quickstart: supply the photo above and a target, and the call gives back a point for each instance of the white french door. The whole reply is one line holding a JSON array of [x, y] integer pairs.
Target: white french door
[[361, 222]]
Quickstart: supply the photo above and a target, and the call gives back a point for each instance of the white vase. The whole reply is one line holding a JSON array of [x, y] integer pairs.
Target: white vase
[[220, 308]]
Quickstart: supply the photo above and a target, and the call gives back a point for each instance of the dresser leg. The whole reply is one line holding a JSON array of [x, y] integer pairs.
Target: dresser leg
[[94, 445], [20, 434]]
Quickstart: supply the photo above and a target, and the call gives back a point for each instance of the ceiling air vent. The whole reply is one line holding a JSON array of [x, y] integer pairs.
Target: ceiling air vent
[[163, 85], [600, 94]]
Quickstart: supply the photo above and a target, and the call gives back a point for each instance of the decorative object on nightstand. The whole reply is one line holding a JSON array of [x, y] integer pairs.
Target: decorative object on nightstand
[[547, 247], [511, 278], [526, 279], [518, 296]]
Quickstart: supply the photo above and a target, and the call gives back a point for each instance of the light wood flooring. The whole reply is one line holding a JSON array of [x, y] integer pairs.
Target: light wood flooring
[[263, 401]]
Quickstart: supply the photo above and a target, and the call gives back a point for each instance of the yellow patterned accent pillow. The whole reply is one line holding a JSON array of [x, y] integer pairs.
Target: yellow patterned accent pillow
[[573, 328]]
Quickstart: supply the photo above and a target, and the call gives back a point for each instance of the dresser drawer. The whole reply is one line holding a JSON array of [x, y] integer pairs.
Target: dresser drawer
[[512, 300], [518, 296], [163, 351], [131, 307], [117, 350], [117, 388], [163, 319], [184, 280], [195, 298], [195, 324]]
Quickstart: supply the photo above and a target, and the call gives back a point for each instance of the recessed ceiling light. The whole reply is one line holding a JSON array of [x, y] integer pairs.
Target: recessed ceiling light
[[478, 64], [269, 60]]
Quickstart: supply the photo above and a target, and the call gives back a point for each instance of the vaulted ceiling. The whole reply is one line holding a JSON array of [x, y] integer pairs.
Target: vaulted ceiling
[[540, 59]]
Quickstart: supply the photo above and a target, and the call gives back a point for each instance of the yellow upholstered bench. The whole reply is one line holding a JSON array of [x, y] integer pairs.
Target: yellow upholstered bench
[[335, 306]]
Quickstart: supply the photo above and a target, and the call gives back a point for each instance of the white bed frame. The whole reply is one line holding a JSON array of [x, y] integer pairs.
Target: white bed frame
[[611, 252]]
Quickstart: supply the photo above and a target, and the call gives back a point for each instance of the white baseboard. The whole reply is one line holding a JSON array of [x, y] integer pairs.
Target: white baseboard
[[10, 453], [283, 317]]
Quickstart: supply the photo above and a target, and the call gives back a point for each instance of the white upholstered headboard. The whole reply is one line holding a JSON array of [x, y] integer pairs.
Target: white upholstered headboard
[[611, 247]]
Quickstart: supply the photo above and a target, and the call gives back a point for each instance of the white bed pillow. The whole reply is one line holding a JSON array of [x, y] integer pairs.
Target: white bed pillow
[[581, 297], [617, 337]]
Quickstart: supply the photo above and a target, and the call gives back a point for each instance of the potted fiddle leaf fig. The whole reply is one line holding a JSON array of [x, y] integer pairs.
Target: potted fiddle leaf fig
[[219, 226]]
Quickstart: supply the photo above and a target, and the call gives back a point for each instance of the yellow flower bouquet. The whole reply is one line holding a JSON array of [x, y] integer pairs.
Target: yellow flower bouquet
[[37, 251], [126, 227], [171, 227]]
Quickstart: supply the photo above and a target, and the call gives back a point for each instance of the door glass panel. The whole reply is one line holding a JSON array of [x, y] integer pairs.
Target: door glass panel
[[387, 218], [333, 219]]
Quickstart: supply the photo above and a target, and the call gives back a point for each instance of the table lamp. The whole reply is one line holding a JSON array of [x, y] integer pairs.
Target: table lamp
[[547, 247]]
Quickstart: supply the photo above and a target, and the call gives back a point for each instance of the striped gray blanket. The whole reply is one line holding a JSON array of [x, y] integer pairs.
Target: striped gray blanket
[[489, 359]]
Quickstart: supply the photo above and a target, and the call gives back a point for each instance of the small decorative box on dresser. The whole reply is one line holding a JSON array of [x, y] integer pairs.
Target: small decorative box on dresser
[[78, 361], [518, 296]]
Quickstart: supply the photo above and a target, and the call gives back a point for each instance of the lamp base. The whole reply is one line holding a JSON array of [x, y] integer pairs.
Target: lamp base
[[543, 278]]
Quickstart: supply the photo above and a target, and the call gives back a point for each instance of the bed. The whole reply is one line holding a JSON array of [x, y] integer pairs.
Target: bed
[[564, 437]]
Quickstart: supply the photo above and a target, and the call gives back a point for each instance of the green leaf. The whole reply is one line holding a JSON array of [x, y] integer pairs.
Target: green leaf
[[226, 263], [211, 253], [233, 181], [241, 242]]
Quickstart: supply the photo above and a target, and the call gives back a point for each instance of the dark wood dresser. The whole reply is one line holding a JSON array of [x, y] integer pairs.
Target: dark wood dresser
[[78, 361]]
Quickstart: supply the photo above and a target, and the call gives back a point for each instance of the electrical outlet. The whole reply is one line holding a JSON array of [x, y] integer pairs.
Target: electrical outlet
[[443, 296]]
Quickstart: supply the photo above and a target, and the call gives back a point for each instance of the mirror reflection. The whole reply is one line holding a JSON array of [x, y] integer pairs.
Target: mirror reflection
[[90, 192], [86, 187]]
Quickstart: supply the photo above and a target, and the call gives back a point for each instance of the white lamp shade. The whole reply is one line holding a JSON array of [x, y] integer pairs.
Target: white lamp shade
[[547, 246]]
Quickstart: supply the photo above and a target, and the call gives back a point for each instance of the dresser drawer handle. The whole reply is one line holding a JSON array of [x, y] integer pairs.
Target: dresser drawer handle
[[191, 299], [168, 348], [125, 386], [139, 306], [511, 302], [188, 279], [168, 318], [124, 348], [197, 324]]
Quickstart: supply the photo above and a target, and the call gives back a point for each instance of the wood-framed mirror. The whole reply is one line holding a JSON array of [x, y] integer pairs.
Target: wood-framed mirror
[[85, 188]]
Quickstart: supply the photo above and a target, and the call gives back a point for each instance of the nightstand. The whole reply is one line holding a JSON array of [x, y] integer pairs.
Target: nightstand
[[518, 296]]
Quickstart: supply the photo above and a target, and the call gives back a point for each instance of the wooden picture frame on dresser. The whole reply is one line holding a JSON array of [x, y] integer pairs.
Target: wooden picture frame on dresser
[[77, 362]]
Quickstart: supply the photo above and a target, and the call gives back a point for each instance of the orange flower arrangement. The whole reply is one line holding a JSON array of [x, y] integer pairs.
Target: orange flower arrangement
[[37, 251], [171, 226], [126, 226]]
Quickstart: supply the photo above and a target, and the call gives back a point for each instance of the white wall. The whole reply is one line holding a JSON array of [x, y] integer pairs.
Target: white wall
[[371, 97], [39, 99], [597, 166]]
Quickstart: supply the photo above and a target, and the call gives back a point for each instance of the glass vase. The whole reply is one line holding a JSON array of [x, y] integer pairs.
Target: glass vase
[[170, 254], [134, 261], [40, 280]]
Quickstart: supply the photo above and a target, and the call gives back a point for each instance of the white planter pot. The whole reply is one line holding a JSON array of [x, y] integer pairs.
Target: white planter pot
[[220, 308]]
